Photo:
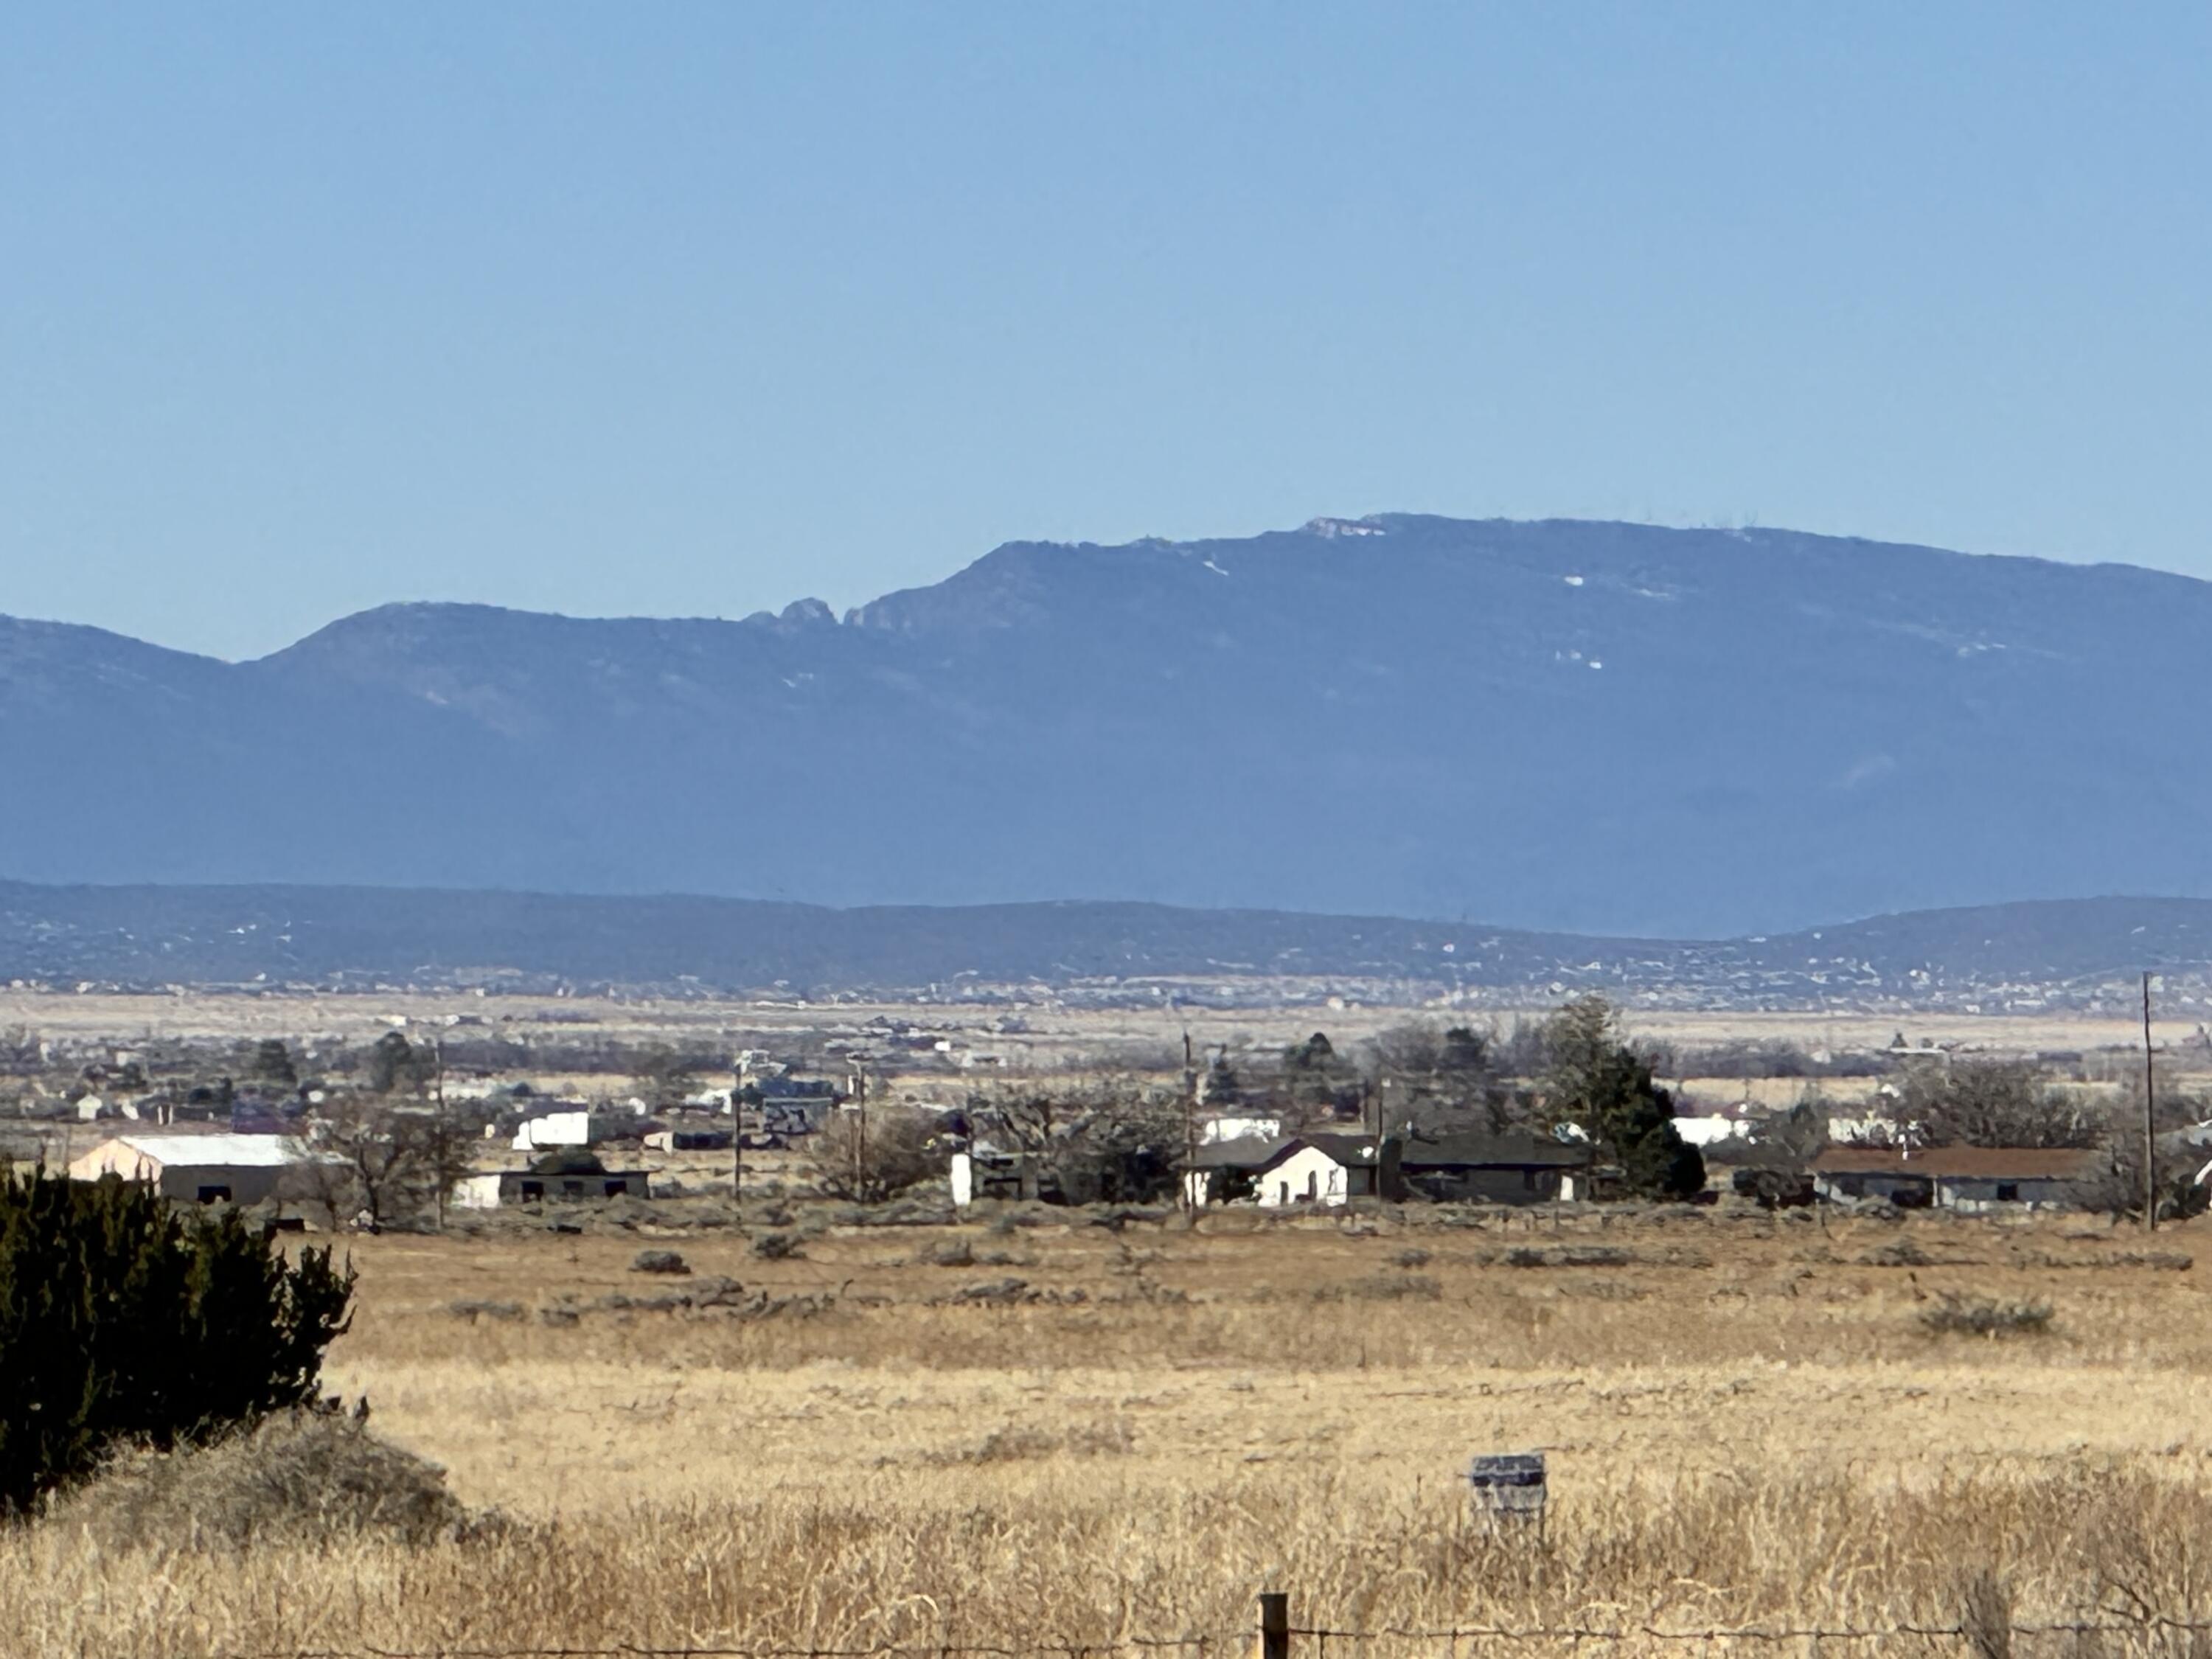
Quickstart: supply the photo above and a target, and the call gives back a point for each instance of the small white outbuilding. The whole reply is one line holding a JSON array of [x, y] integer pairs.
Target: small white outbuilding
[[551, 1129]]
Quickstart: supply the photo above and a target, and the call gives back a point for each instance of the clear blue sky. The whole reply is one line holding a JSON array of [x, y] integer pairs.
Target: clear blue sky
[[672, 309]]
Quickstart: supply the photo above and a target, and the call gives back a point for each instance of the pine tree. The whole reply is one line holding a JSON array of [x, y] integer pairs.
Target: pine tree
[[272, 1064], [121, 1322], [1595, 1080], [1636, 1119], [392, 1064]]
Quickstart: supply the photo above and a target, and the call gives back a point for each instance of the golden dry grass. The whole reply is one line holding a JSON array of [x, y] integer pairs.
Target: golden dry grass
[[1746, 1421]]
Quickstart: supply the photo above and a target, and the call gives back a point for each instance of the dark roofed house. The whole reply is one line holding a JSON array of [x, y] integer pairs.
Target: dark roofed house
[[1964, 1178], [570, 1174], [1511, 1167]]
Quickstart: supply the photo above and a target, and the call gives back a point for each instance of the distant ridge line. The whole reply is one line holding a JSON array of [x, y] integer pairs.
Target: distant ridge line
[[2022, 957]]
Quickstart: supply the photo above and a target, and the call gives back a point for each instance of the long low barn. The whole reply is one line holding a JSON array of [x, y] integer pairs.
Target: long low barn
[[1965, 1178], [214, 1169], [1514, 1167], [490, 1188]]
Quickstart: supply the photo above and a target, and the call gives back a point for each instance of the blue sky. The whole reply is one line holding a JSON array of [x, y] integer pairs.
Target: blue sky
[[697, 309]]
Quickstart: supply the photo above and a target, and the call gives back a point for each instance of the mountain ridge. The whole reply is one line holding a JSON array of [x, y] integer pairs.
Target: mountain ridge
[[1565, 725]]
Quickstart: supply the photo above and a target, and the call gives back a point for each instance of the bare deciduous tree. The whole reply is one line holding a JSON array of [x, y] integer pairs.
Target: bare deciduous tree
[[2117, 1187], [1437, 1075], [1413, 1049], [381, 1162], [864, 1156], [1991, 1102], [20, 1050], [663, 1077], [1112, 1140]]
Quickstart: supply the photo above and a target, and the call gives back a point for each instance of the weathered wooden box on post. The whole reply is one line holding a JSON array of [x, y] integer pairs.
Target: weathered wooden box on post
[[1509, 1489]]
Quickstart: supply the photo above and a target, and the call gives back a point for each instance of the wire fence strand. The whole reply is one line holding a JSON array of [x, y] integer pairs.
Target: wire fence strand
[[2143, 1625], [1455, 1640]]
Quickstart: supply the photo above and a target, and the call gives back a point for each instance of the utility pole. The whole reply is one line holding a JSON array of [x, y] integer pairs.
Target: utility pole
[[738, 1147], [2150, 1123], [445, 1125], [1381, 1106], [860, 1142], [1189, 1123]]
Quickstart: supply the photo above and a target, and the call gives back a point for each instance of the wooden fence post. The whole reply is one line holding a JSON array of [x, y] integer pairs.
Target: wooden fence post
[[1275, 1626]]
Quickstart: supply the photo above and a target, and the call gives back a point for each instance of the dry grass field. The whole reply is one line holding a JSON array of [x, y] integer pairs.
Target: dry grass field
[[883, 1443], [1053, 1033], [1080, 1440]]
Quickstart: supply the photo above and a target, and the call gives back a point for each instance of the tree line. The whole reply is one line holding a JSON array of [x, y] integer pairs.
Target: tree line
[[1121, 1139]]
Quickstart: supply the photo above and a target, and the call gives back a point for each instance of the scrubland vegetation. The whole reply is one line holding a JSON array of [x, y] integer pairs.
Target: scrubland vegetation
[[1083, 1435], [845, 1421]]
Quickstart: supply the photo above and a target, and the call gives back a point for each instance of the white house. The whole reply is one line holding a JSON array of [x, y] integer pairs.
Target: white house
[[477, 1192], [1219, 1129], [1317, 1175], [489, 1190], [1326, 1170], [554, 1129], [1711, 1128]]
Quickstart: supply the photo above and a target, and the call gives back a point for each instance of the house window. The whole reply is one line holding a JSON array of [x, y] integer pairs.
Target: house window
[[616, 1189], [2008, 1192], [1313, 1185], [532, 1191], [214, 1194], [572, 1190]]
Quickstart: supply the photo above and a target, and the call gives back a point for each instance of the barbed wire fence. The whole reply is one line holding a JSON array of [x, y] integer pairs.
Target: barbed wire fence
[[1275, 1636]]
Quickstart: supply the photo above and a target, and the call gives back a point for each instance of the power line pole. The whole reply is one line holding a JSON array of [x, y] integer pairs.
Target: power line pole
[[1189, 1123], [1381, 1106], [442, 1128], [2150, 1123], [738, 1087], [860, 1153]]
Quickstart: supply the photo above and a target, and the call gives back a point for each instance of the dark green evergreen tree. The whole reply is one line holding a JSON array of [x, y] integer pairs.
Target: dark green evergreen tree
[[1595, 1080], [123, 1322], [1635, 1117], [1466, 1051], [271, 1063], [392, 1064]]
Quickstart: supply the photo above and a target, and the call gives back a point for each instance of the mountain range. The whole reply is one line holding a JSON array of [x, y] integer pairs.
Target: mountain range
[[1609, 728], [2071, 954]]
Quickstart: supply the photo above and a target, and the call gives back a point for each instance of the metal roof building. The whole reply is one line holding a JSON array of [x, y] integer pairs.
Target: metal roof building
[[203, 1169]]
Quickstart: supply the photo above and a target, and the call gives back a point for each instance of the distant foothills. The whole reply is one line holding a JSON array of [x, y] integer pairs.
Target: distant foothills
[[1560, 726], [2052, 955]]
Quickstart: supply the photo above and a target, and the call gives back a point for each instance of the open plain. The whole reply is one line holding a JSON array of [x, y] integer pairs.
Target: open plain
[[1076, 1436], [1086, 1432]]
